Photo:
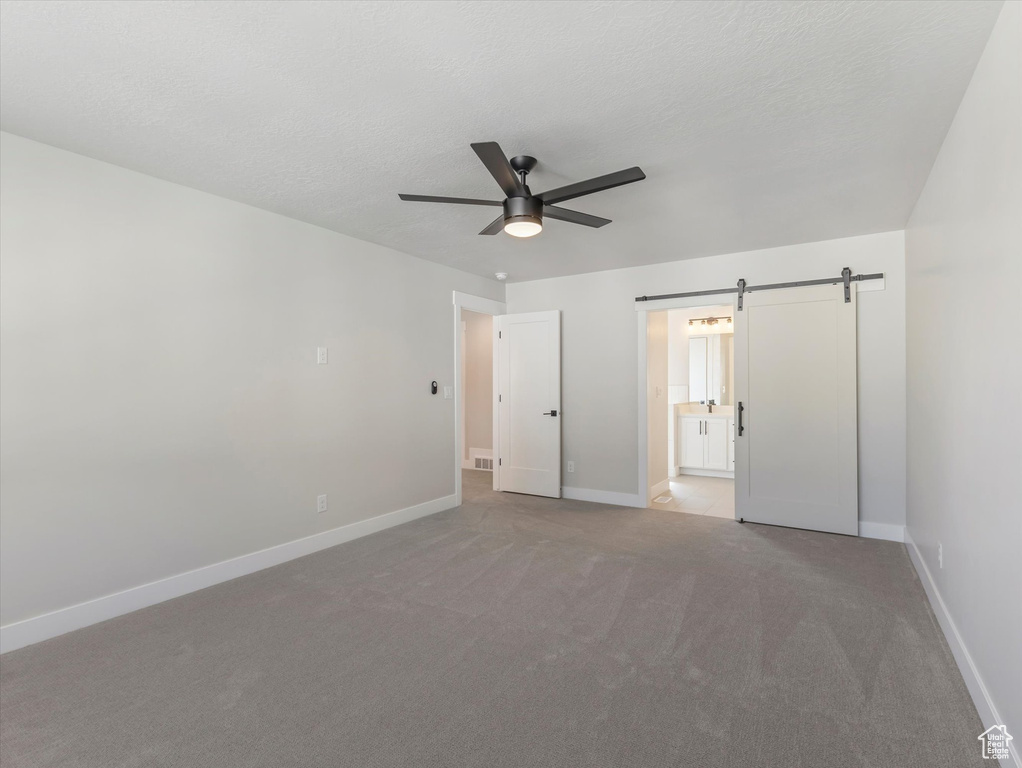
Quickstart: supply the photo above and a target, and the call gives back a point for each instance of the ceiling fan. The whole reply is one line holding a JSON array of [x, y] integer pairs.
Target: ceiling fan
[[523, 211]]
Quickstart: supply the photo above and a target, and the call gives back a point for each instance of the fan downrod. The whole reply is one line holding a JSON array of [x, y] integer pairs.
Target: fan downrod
[[523, 163]]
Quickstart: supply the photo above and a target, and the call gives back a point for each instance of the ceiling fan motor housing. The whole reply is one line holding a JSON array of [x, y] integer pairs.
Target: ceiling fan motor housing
[[523, 209]]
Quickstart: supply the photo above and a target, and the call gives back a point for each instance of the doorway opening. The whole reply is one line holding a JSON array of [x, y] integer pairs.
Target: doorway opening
[[474, 316], [476, 383], [690, 410], [524, 394], [790, 437]]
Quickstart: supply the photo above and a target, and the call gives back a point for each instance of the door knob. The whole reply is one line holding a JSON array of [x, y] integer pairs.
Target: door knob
[[550, 413]]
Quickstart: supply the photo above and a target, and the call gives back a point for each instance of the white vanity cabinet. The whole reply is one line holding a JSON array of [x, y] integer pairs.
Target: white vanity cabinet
[[706, 442], [693, 444], [715, 431]]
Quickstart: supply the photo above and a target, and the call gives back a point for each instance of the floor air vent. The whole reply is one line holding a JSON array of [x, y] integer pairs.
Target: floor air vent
[[482, 463]]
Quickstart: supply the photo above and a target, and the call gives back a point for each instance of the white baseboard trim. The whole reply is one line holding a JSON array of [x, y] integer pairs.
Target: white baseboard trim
[[729, 474], [33, 630], [662, 487], [884, 531], [603, 497], [988, 713]]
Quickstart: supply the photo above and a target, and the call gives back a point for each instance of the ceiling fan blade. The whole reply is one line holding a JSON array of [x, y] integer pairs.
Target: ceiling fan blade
[[459, 200], [563, 214], [496, 163], [589, 186], [495, 226]]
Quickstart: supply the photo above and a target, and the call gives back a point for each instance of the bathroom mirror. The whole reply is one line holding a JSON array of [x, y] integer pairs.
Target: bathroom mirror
[[711, 368]]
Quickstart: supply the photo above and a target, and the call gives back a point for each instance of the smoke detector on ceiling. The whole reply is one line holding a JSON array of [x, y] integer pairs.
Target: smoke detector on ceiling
[[502, 276]]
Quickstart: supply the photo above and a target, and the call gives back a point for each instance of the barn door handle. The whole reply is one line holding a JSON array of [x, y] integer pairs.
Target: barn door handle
[[740, 427], [550, 413]]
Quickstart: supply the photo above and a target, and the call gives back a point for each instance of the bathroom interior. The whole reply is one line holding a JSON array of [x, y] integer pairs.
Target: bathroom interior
[[699, 412]]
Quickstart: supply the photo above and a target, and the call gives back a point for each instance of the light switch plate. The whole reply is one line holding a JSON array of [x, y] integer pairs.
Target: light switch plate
[[448, 393]]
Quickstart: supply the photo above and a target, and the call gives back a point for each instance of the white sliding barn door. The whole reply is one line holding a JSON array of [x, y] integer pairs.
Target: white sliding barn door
[[796, 460], [529, 403]]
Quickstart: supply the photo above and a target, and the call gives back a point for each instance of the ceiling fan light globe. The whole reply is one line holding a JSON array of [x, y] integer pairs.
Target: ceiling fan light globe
[[523, 226]]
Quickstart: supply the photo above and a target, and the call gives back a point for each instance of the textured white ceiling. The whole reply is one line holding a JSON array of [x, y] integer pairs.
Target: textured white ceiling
[[757, 123]]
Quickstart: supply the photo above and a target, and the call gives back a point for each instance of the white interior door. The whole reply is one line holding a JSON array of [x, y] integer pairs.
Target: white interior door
[[796, 460], [529, 403]]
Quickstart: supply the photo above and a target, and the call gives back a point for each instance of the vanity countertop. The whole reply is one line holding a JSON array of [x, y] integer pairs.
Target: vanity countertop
[[695, 409]]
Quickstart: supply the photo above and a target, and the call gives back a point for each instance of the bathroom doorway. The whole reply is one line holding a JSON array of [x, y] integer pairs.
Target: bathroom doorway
[[690, 410]]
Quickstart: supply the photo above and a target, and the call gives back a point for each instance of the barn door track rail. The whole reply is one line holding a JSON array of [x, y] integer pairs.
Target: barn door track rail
[[847, 278]]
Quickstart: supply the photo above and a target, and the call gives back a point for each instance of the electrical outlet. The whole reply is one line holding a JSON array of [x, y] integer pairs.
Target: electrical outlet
[[940, 555], [448, 393], [321, 503], [571, 466], [321, 355]]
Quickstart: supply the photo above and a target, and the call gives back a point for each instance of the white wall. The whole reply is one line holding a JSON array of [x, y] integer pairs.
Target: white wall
[[677, 354], [478, 399], [599, 354], [656, 398], [161, 405], [964, 272]]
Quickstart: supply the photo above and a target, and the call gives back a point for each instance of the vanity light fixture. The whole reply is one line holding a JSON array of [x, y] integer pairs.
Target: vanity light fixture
[[710, 325]]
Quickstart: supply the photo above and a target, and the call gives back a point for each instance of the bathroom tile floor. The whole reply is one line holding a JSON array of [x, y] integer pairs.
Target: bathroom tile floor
[[710, 496]]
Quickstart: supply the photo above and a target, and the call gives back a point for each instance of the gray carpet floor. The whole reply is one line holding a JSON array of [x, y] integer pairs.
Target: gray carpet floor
[[516, 631]]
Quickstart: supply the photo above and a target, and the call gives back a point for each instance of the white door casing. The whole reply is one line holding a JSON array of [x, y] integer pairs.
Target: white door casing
[[796, 461], [529, 393]]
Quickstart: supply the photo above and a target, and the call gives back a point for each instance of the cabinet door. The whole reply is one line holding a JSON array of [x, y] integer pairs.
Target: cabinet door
[[731, 445], [692, 443], [715, 434]]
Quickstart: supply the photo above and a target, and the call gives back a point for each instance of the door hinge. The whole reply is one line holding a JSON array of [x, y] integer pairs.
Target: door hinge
[[499, 335], [500, 398], [500, 462]]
